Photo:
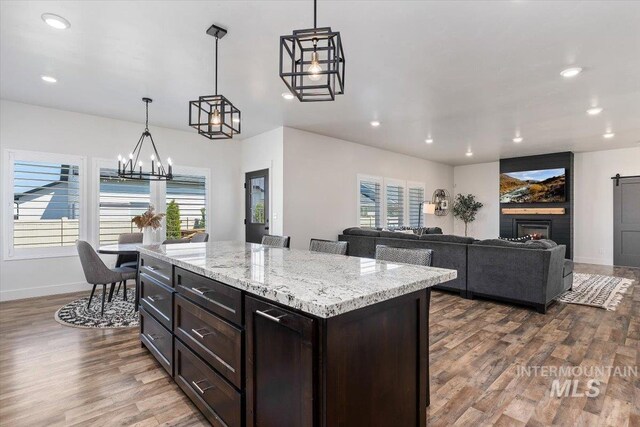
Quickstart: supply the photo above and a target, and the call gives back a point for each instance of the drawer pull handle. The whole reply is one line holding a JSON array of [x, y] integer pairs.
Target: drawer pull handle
[[200, 291], [270, 317], [153, 299], [153, 337], [201, 335], [149, 267], [201, 390]]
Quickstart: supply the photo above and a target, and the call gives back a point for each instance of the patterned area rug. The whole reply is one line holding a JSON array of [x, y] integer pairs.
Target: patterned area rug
[[117, 313], [596, 290]]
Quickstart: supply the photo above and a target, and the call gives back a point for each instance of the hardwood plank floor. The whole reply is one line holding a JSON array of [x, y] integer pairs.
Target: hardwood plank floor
[[52, 375]]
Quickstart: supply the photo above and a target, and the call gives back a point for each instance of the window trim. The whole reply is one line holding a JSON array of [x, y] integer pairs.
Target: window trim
[[10, 253]]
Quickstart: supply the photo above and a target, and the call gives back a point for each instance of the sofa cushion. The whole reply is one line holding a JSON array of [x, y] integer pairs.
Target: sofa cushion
[[398, 235], [432, 230], [529, 244], [449, 238], [361, 231]]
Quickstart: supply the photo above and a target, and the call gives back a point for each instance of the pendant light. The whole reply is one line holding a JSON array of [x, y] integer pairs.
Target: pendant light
[[132, 168], [312, 63], [214, 116]]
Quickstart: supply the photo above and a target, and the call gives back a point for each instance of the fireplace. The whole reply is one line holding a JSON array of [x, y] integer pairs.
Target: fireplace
[[526, 227]]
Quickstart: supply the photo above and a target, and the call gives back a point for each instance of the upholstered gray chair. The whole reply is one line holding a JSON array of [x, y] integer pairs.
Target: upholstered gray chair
[[276, 241], [200, 238], [328, 246], [173, 241], [128, 260], [97, 273], [405, 256]]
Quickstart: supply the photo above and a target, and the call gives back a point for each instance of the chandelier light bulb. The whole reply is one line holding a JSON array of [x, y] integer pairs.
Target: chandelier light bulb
[[169, 162], [214, 120], [153, 157], [119, 158], [315, 69], [140, 163], [130, 156]]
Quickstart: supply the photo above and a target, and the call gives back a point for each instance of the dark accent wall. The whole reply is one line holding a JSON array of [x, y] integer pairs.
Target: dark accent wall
[[561, 225]]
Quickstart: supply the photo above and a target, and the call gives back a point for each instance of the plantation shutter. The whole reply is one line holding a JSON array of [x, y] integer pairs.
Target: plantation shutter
[[189, 193], [416, 198], [395, 205]]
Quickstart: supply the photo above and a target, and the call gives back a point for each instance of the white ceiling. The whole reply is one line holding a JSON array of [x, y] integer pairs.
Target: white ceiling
[[471, 74]]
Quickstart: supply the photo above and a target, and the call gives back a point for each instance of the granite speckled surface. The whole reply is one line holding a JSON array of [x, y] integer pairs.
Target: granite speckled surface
[[324, 285]]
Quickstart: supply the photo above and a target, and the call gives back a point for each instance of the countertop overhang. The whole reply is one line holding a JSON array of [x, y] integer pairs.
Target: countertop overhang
[[324, 285]]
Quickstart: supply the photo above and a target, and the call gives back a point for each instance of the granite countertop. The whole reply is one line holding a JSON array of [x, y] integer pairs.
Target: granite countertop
[[320, 284]]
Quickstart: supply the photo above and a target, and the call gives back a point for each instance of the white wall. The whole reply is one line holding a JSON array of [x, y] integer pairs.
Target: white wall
[[27, 127], [481, 180], [320, 183], [265, 151], [593, 204]]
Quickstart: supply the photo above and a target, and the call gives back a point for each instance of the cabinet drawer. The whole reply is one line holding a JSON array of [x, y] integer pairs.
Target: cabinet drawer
[[216, 341], [218, 401], [223, 300], [159, 270], [157, 299], [157, 339]]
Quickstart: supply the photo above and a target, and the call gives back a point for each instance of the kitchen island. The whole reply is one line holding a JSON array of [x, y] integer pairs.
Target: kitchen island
[[265, 336]]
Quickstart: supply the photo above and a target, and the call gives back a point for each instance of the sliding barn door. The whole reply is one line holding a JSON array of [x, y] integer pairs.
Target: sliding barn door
[[626, 222]]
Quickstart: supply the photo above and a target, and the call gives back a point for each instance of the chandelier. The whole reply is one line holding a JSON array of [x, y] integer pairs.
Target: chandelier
[[312, 62], [132, 168], [214, 116]]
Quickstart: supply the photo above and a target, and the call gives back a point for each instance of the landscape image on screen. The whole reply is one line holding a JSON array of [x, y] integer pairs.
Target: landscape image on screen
[[540, 186]]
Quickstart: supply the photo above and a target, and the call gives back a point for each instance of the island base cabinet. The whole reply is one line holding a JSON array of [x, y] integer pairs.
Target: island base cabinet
[[280, 370]]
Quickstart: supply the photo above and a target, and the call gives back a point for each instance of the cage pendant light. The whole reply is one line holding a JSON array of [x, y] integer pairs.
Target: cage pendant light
[[312, 62], [214, 116], [132, 168]]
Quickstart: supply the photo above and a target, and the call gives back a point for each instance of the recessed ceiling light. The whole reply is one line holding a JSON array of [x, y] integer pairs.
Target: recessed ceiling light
[[468, 154], [288, 95], [49, 79], [375, 123], [570, 72], [609, 135], [55, 21], [594, 111], [518, 139], [429, 140]]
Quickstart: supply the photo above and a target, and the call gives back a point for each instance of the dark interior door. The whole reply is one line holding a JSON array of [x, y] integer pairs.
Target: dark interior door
[[279, 366], [256, 205], [626, 222]]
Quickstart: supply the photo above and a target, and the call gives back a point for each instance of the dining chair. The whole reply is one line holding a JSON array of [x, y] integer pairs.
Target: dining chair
[[173, 241], [128, 260], [97, 273], [328, 246], [404, 255], [200, 238], [276, 241]]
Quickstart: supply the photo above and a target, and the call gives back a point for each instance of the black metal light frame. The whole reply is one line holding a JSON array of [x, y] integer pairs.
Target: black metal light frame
[[127, 170], [296, 54], [202, 110]]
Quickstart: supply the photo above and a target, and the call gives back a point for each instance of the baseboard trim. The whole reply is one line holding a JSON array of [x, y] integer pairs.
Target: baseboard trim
[[64, 288], [599, 261]]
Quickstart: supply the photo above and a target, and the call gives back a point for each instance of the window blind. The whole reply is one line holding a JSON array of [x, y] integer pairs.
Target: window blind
[[395, 205], [46, 204], [416, 215], [370, 202], [120, 201], [189, 192]]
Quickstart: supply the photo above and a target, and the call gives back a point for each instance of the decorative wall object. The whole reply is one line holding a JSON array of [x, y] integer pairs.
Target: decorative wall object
[[214, 116], [132, 168], [442, 201], [312, 62]]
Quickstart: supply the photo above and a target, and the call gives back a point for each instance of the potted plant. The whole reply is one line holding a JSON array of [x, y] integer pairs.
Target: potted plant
[[148, 223], [465, 208]]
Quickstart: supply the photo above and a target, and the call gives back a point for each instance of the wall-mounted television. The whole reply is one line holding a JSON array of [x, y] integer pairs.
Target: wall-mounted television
[[535, 186]]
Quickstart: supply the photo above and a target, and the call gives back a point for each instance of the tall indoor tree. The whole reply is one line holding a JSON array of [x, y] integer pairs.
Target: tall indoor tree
[[465, 208]]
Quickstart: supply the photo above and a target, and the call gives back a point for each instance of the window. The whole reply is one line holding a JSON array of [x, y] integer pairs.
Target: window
[[394, 197], [257, 200], [120, 200], [369, 201], [186, 204], [47, 214], [416, 198]]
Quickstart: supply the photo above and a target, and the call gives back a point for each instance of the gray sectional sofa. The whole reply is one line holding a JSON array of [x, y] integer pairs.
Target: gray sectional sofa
[[533, 273]]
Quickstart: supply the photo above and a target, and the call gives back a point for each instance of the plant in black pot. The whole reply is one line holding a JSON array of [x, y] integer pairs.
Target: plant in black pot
[[465, 208]]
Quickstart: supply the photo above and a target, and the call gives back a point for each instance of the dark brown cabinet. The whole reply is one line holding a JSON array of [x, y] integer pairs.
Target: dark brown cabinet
[[279, 365]]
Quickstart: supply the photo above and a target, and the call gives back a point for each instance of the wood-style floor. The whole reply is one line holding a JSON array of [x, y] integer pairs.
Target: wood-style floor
[[53, 375]]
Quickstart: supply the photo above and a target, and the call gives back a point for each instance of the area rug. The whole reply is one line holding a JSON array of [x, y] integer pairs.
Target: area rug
[[117, 313], [596, 290]]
